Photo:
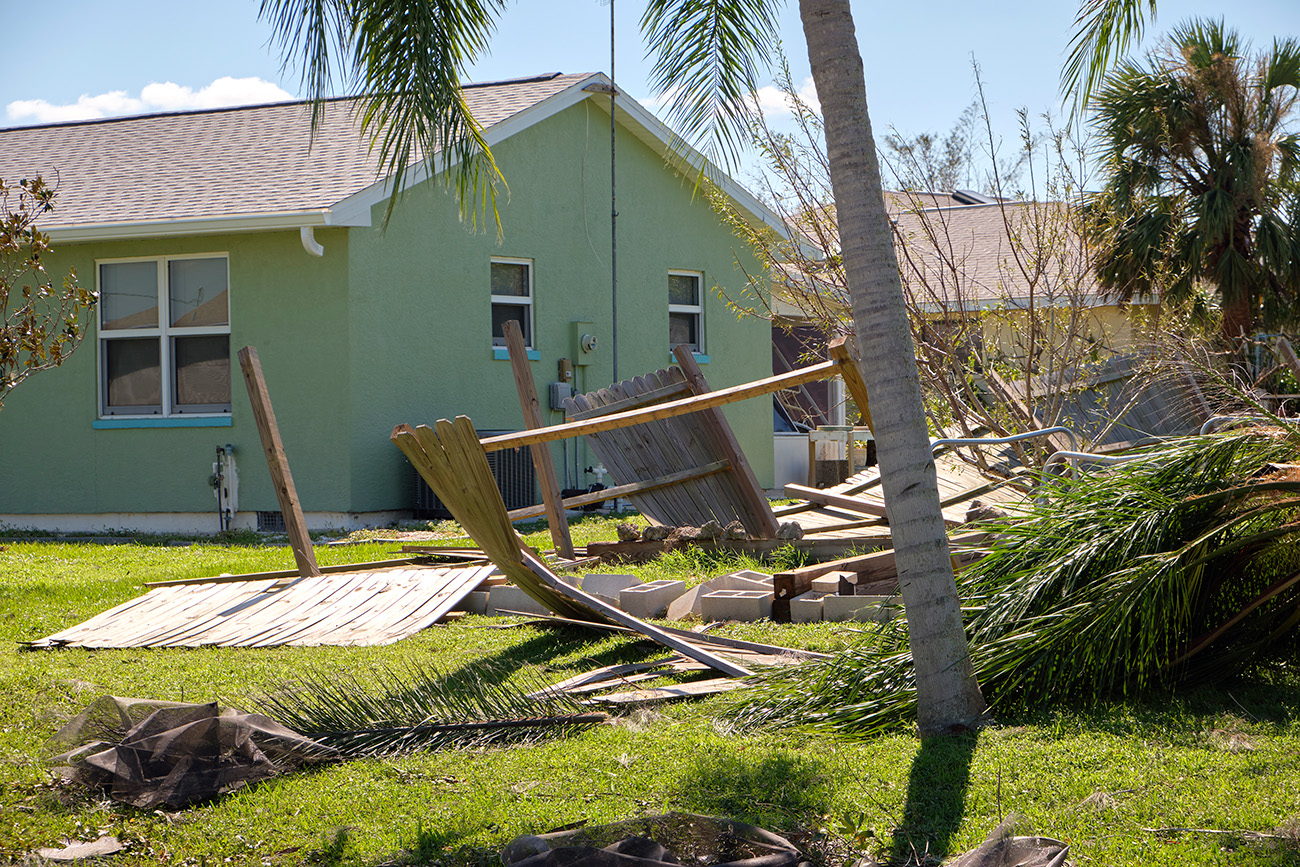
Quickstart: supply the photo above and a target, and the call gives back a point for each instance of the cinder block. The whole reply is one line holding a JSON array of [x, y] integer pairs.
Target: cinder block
[[688, 603], [608, 586], [736, 605], [750, 575], [512, 598], [872, 609], [828, 583], [806, 607], [475, 602], [650, 599]]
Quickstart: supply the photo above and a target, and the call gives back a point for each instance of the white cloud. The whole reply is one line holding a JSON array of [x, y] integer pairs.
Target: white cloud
[[164, 96], [774, 103]]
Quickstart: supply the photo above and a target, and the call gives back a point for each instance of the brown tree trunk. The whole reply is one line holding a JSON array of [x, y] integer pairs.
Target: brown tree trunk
[[948, 694]]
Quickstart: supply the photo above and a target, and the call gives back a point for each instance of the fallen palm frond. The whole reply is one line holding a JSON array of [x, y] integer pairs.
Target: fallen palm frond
[[398, 712], [1181, 566]]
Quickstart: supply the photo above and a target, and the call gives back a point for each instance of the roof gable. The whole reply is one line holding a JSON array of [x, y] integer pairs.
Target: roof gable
[[257, 167]]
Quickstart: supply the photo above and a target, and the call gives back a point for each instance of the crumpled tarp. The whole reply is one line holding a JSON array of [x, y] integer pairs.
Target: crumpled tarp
[[657, 841], [1003, 848], [156, 753]]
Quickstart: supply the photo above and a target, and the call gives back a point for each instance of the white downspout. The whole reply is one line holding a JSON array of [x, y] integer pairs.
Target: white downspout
[[309, 243]]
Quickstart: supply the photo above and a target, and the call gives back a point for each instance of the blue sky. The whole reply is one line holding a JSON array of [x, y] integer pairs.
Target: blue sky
[[133, 57]]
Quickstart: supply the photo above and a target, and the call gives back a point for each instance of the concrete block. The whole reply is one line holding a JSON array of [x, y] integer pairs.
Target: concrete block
[[828, 583], [736, 605], [607, 586], [650, 599], [870, 609], [750, 575], [806, 607], [475, 602], [688, 603], [510, 597]]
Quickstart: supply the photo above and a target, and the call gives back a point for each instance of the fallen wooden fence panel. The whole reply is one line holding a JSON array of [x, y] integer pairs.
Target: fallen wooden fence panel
[[338, 608]]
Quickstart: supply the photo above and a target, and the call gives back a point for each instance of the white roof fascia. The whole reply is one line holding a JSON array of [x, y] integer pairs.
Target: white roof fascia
[[189, 226], [355, 209]]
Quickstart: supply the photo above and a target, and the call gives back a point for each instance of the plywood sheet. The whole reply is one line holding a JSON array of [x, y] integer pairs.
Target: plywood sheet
[[369, 607]]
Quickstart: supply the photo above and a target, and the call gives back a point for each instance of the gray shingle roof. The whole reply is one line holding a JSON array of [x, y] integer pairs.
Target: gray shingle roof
[[965, 256], [228, 162]]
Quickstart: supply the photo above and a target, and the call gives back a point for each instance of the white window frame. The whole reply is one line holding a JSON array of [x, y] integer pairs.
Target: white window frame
[[696, 309], [164, 332], [525, 301]]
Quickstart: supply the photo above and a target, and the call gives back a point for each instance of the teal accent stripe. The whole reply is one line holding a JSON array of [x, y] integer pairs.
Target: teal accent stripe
[[699, 359], [500, 353], [112, 423]]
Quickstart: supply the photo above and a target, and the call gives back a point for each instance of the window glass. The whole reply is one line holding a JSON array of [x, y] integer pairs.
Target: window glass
[[197, 292], [164, 337], [128, 295], [682, 328], [503, 313], [133, 375], [203, 373], [683, 289], [510, 278]]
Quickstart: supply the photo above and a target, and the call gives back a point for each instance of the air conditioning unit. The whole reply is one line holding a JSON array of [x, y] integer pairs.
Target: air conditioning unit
[[514, 473]]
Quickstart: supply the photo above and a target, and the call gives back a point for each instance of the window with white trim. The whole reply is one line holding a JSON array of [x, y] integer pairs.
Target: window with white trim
[[685, 309], [164, 336], [512, 298]]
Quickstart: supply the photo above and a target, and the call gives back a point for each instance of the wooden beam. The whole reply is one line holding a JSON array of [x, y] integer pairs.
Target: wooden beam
[[647, 398], [751, 493], [852, 376], [828, 498], [624, 490], [721, 397], [532, 410], [278, 463]]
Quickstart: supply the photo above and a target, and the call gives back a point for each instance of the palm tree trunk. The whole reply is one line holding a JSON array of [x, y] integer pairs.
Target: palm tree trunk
[[948, 695]]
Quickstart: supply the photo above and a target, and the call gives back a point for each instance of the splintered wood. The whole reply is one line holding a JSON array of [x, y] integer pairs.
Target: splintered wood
[[340, 608]]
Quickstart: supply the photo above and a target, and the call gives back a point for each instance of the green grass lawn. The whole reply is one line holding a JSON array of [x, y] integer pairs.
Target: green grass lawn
[[1109, 780]]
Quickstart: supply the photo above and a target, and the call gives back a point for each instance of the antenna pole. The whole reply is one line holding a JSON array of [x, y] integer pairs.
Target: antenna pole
[[613, 202]]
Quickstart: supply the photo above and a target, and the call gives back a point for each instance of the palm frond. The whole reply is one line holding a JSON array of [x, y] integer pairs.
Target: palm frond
[[403, 711], [708, 55], [404, 61], [1103, 30], [1178, 567]]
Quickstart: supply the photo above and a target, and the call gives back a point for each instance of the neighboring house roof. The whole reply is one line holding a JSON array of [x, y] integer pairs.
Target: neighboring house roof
[[259, 167], [974, 256]]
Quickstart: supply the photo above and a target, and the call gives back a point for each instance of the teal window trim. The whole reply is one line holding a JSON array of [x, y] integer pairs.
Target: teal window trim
[[699, 359], [150, 421], [500, 353]]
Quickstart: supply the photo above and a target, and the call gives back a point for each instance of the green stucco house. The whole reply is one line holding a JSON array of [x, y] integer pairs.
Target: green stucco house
[[208, 231]]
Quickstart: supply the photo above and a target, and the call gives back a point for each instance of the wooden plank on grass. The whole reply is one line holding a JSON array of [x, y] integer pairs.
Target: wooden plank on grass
[[671, 693], [842, 501]]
